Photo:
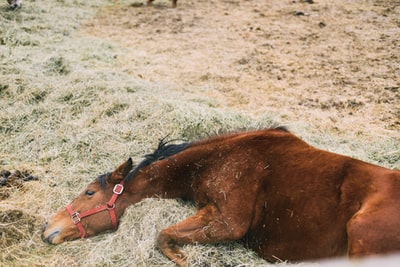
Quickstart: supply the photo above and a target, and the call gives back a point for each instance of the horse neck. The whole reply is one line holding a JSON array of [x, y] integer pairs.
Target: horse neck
[[168, 178]]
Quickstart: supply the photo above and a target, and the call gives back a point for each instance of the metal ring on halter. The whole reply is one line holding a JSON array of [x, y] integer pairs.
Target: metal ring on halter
[[118, 188], [110, 207]]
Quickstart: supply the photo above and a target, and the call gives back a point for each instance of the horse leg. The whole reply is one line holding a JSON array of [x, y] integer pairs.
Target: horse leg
[[149, 2], [374, 231], [206, 226]]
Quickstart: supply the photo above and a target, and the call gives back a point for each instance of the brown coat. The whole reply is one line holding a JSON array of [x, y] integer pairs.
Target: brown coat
[[285, 198]]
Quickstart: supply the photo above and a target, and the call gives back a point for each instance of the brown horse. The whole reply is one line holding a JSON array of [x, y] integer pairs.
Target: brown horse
[[284, 198]]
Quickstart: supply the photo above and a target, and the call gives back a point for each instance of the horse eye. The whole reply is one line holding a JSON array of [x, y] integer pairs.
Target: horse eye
[[89, 193]]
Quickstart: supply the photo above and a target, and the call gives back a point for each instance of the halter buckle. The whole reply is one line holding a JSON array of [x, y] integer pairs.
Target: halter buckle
[[118, 188], [75, 218]]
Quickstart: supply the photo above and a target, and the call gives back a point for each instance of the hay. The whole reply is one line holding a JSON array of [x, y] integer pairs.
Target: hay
[[73, 105], [15, 226]]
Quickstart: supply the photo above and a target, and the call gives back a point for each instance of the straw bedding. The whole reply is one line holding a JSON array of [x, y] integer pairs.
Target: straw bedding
[[76, 101]]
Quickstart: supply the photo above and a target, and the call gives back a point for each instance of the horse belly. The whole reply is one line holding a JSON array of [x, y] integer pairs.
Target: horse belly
[[275, 244], [294, 231]]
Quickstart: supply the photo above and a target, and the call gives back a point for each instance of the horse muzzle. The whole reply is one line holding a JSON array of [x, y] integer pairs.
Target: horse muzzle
[[59, 229], [50, 236]]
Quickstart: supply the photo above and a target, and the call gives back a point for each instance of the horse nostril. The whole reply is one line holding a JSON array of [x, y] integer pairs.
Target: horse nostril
[[49, 239], [45, 227]]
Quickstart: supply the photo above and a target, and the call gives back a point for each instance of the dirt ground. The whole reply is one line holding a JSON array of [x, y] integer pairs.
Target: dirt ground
[[326, 62]]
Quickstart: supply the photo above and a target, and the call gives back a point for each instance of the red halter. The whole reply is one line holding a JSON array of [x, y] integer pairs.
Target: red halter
[[110, 206]]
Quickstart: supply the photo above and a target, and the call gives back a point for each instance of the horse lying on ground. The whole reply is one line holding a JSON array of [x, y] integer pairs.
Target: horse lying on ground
[[15, 3], [284, 198]]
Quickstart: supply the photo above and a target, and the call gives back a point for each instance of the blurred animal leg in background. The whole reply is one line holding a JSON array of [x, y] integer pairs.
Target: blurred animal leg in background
[[15, 3], [149, 2]]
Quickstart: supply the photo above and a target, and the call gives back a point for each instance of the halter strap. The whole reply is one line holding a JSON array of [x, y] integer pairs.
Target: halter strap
[[76, 217]]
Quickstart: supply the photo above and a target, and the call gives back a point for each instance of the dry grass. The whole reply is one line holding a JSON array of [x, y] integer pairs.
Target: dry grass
[[73, 105]]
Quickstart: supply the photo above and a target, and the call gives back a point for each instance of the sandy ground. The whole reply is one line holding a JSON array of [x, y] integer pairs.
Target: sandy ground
[[326, 62]]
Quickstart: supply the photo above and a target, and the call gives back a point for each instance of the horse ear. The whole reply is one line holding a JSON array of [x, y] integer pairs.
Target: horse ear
[[120, 172]]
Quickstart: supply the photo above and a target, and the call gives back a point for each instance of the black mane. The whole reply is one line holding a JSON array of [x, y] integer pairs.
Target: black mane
[[164, 150], [102, 179]]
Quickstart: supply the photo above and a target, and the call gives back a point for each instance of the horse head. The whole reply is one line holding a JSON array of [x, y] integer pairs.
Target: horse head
[[95, 210]]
